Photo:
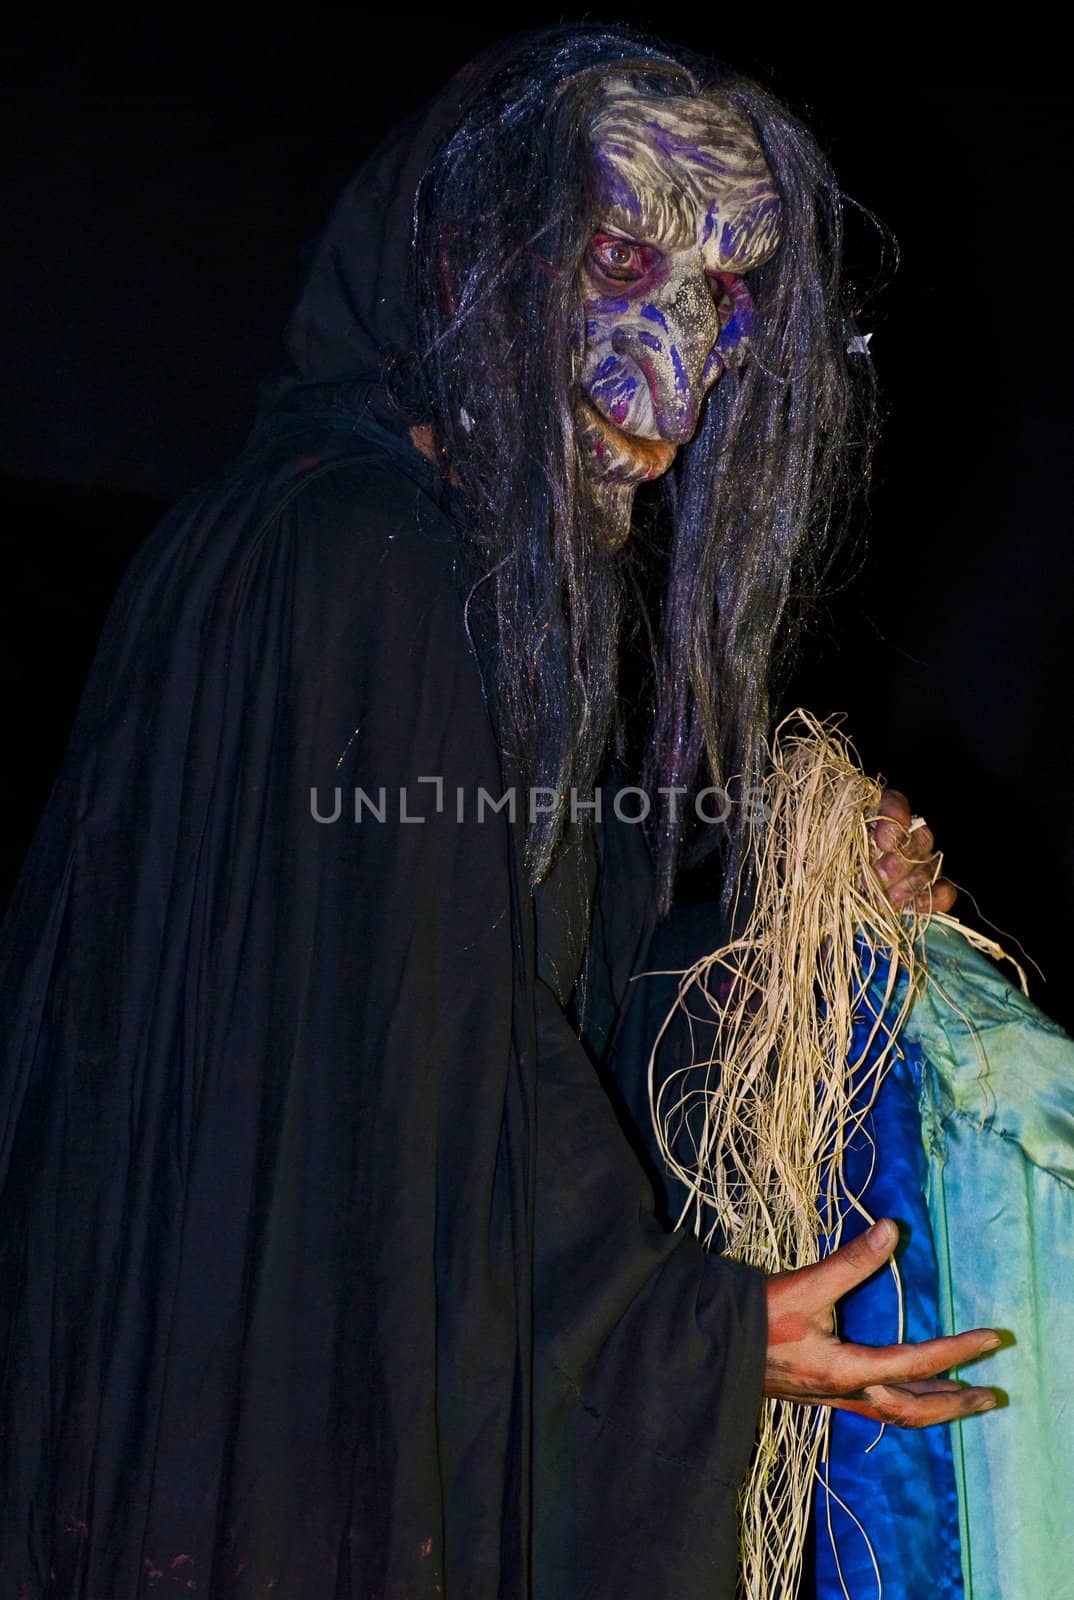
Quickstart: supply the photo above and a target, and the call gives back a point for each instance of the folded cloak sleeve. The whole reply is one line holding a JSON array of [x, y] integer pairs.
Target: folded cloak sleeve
[[649, 1351]]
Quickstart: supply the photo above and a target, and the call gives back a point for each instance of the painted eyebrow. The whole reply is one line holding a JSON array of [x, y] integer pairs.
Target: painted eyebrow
[[635, 228], [612, 231]]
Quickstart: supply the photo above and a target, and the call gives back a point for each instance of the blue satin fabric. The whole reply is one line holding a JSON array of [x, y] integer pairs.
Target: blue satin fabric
[[903, 1490]]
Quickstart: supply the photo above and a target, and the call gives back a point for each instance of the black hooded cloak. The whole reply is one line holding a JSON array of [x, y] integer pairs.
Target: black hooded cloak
[[330, 1266]]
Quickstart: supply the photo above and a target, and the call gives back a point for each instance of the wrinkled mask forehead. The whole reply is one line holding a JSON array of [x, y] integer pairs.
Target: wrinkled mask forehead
[[685, 170]]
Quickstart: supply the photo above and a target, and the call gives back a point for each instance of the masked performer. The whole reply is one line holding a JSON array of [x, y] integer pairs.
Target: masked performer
[[330, 1267]]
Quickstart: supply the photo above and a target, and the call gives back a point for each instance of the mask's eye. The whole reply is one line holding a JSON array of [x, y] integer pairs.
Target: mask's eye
[[620, 260]]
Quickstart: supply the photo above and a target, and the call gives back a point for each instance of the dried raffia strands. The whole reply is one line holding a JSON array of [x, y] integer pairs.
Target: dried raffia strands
[[757, 1126]]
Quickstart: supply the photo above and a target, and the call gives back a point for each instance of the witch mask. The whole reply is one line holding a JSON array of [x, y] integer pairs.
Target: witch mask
[[687, 207]]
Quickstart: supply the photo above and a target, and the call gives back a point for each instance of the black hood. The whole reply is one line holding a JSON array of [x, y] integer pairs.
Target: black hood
[[353, 336]]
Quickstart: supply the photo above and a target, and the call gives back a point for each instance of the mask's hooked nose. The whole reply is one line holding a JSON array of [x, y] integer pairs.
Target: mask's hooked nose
[[674, 356]]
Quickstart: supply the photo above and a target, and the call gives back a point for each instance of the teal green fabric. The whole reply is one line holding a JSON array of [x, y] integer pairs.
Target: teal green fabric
[[997, 1112]]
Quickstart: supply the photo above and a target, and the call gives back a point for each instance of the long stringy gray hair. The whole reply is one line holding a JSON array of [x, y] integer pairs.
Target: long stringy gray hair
[[708, 592]]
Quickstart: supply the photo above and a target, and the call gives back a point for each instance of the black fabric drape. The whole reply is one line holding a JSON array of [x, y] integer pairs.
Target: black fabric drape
[[328, 1267], [266, 1204]]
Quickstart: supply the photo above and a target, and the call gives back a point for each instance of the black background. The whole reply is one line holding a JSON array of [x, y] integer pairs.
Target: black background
[[162, 178]]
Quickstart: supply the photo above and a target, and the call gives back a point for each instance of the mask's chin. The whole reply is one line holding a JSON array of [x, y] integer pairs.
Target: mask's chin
[[617, 462]]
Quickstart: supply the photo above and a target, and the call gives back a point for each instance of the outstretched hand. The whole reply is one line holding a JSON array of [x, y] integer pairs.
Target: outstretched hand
[[808, 1362]]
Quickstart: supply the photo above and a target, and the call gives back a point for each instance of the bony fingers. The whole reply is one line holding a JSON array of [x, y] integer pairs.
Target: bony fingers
[[916, 880], [891, 823], [893, 803], [827, 1281], [896, 866], [920, 843], [946, 1404], [888, 835], [934, 1386], [903, 1408], [908, 888], [863, 1365], [940, 896], [890, 867]]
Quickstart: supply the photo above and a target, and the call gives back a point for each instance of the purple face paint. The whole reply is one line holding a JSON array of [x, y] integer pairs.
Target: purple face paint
[[616, 186], [682, 377]]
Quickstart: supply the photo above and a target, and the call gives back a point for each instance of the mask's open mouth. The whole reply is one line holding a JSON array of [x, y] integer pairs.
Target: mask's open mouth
[[625, 457]]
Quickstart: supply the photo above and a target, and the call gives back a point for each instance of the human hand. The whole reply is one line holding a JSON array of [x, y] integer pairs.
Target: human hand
[[808, 1362], [908, 861]]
